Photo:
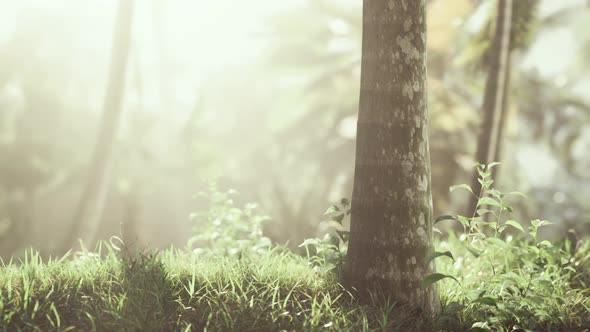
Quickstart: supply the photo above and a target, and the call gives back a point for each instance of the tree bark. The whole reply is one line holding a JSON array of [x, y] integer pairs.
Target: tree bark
[[391, 216], [495, 98], [89, 212]]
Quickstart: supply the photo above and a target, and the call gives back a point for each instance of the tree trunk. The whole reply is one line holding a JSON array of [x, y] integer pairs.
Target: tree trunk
[[495, 97], [391, 220], [89, 212]]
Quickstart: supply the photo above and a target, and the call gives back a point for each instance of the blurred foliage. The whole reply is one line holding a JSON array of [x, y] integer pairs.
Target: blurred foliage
[[524, 25], [226, 230]]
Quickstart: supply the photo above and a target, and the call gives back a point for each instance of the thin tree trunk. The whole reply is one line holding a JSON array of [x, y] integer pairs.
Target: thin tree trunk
[[391, 220], [495, 97], [90, 209], [129, 225]]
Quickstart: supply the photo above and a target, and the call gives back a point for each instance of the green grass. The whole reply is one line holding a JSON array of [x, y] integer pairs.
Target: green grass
[[277, 290]]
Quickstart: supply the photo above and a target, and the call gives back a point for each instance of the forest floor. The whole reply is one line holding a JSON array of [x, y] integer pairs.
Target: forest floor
[[276, 290]]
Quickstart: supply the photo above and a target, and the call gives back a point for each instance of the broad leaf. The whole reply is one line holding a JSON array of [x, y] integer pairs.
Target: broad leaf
[[496, 241], [461, 186], [436, 254], [432, 278], [445, 217], [488, 201], [494, 164], [514, 224]]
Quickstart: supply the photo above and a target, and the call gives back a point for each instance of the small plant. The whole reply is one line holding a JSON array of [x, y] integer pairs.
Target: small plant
[[225, 229], [330, 251], [513, 275]]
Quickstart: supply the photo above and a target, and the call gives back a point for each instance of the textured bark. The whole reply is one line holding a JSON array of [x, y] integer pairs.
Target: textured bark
[[495, 97], [89, 212], [391, 220]]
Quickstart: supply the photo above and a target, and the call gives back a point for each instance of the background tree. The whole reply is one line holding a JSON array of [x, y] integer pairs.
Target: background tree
[[511, 28], [391, 216], [89, 211]]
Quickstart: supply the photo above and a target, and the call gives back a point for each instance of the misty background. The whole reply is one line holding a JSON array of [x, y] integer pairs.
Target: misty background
[[262, 96]]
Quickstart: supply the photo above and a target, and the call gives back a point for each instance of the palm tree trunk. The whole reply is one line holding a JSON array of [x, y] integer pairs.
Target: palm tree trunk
[[495, 97], [391, 216]]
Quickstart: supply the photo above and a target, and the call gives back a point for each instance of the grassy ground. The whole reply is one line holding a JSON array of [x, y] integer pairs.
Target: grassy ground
[[278, 290]]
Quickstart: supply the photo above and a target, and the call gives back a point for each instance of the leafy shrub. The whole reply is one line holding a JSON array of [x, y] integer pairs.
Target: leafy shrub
[[330, 251], [225, 229], [514, 281]]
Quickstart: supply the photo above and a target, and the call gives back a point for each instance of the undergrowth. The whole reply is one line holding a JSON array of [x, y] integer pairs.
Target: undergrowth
[[496, 275], [501, 277], [176, 290]]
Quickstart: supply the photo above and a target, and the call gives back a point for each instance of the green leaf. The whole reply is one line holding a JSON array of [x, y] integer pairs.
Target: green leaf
[[481, 212], [485, 174], [485, 183], [445, 217], [569, 268], [464, 220], [481, 325], [496, 241], [545, 244], [436, 254], [332, 209], [476, 253], [495, 193], [563, 260], [539, 223], [514, 224], [494, 164], [488, 201], [461, 186], [432, 278], [517, 193], [489, 300], [307, 242], [491, 224]]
